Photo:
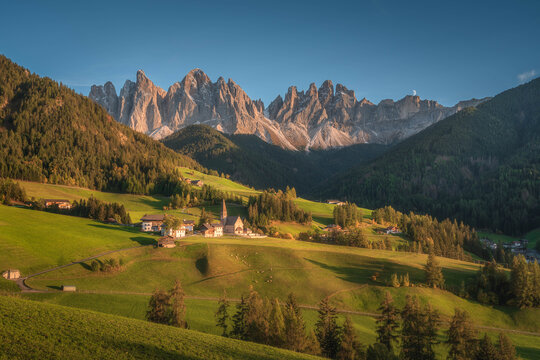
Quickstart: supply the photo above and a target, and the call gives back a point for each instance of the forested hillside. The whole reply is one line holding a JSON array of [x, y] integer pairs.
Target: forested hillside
[[252, 161], [481, 165], [48, 133]]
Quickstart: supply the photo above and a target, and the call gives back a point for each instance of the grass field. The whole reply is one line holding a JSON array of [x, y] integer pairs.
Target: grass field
[[57, 332], [533, 236], [35, 240]]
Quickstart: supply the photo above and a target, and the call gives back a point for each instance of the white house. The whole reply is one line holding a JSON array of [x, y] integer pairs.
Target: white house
[[174, 233]]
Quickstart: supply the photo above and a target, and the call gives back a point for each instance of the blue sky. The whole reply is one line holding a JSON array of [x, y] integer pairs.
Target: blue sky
[[445, 50]]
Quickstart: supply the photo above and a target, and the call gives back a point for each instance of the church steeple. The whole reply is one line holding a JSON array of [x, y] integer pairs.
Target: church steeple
[[223, 212]]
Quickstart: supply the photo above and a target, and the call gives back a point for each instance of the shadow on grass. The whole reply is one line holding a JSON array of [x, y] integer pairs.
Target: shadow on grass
[[55, 287], [129, 229]]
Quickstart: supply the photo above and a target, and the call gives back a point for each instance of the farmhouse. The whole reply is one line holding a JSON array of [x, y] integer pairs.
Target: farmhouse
[[231, 224], [197, 183], [332, 227], [152, 222], [174, 233], [335, 202], [11, 274], [212, 230], [166, 242], [62, 204], [188, 224], [392, 230]]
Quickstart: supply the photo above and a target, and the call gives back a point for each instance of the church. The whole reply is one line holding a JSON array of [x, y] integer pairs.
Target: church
[[231, 224]]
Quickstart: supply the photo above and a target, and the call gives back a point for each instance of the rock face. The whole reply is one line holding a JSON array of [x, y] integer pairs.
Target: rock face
[[313, 119]]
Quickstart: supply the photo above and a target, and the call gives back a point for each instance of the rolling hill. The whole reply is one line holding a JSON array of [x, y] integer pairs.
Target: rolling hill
[[480, 166], [252, 161], [81, 334], [48, 133]]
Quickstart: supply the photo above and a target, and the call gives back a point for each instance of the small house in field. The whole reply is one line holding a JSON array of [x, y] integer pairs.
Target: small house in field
[[152, 222], [189, 224], [11, 274], [62, 204], [332, 227], [187, 180], [69, 288], [392, 230], [335, 202], [166, 242], [198, 183], [174, 233]]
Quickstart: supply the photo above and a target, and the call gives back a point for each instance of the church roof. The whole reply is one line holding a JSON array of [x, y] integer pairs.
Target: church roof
[[231, 220]]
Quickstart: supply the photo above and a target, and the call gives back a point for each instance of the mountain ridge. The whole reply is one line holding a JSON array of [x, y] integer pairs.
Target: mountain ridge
[[320, 118]]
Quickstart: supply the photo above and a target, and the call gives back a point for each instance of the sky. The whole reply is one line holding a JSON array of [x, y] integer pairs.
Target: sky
[[442, 50]]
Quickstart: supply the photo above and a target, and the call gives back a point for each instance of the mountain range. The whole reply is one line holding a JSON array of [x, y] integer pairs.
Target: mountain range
[[318, 118]]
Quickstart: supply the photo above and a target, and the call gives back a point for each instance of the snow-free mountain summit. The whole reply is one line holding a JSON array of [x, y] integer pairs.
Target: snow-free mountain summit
[[319, 118]]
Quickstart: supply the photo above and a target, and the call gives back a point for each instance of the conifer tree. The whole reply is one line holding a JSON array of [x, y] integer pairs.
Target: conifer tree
[[419, 330], [239, 330], [461, 336], [158, 307], [522, 284], [350, 347], [394, 281], [295, 336], [379, 351], [507, 351], [178, 306], [276, 325], [327, 330], [434, 276], [222, 314], [388, 322], [486, 350]]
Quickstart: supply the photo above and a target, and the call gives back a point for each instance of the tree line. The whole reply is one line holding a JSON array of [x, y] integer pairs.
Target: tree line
[[347, 215], [11, 191], [275, 205]]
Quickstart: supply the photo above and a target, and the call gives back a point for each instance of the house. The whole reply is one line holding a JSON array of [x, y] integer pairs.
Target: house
[[187, 180], [335, 202], [212, 230], [197, 183], [174, 233], [152, 222], [166, 242], [392, 230], [231, 224], [189, 224], [62, 204], [332, 227], [11, 274], [69, 288]]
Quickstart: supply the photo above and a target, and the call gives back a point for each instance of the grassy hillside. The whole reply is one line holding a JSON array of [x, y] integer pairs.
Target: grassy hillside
[[480, 166], [49, 133], [33, 240], [252, 161], [97, 335]]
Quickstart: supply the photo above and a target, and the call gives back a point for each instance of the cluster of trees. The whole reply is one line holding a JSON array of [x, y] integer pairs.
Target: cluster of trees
[[168, 307], [91, 208], [353, 237], [107, 265], [275, 205], [11, 191], [50, 134], [413, 331], [494, 286], [347, 215], [479, 166], [445, 238]]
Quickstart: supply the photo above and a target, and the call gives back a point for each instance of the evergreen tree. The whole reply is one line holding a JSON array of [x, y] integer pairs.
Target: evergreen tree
[[388, 322], [158, 310], [222, 314], [419, 330], [239, 330], [327, 330], [350, 347], [394, 281], [379, 352], [461, 336], [256, 318], [295, 336], [276, 325], [433, 270], [522, 283], [178, 306], [486, 350], [507, 351]]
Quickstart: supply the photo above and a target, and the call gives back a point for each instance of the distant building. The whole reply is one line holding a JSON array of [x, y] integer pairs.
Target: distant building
[[197, 183], [174, 233], [392, 230], [332, 227], [62, 204], [11, 274], [231, 224], [212, 230], [335, 202], [69, 288], [152, 222], [189, 224], [166, 242]]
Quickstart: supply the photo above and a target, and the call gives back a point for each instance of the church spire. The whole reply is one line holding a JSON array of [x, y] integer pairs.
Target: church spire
[[223, 212]]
